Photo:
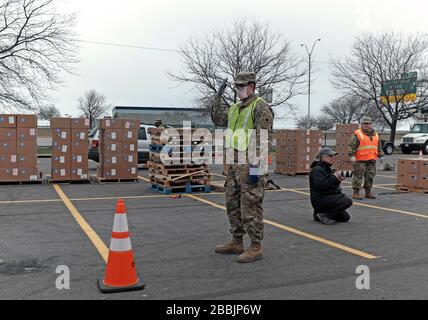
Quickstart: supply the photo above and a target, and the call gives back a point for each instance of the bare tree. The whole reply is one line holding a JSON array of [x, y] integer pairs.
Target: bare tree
[[248, 46], [325, 123], [345, 109], [376, 59], [47, 112], [93, 105], [36, 45], [306, 122]]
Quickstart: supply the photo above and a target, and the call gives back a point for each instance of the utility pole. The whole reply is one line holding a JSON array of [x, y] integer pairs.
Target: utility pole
[[310, 53]]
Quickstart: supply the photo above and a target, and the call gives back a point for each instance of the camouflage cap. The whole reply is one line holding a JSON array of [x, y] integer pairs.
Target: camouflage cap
[[245, 78], [326, 152], [366, 120]]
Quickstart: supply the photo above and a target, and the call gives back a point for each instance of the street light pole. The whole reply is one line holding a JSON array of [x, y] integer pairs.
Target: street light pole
[[310, 53]]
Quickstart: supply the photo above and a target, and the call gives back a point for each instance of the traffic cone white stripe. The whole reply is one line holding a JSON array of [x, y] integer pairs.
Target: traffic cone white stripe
[[121, 245], [120, 223]]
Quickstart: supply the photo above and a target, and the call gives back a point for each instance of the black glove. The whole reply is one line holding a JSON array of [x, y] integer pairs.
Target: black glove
[[222, 88]]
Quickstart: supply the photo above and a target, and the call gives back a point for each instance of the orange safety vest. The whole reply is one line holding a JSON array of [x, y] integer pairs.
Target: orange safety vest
[[368, 149]]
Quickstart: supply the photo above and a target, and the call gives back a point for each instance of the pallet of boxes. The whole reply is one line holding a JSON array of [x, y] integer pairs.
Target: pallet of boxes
[[172, 169], [18, 149], [412, 175], [118, 151], [344, 134], [296, 150], [69, 150]]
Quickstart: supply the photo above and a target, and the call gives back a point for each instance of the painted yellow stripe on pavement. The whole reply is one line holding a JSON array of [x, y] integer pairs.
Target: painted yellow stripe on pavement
[[92, 235], [297, 232], [409, 213], [389, 177], [29, 201]]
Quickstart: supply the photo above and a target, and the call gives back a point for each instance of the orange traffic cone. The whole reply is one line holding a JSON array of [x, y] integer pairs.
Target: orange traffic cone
[[120, 275]]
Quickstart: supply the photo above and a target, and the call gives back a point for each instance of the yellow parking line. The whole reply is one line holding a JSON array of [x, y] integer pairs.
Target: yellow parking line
[[390, 177], [409, 213], [297, 232], [29, 201], [92, 235]]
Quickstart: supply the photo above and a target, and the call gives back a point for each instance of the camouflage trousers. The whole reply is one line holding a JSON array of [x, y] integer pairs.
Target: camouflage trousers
[[244, 202], [364, 172]]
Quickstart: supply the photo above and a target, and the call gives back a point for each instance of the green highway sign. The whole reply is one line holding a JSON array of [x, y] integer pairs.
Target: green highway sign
[[403, 89]]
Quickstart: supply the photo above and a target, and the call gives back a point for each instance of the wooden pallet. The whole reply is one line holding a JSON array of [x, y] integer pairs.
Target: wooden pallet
[[83, 181], [182, 189], [176, 167], [292, 174], [100, 180], [21, 183], [183, 183], [400, 187]]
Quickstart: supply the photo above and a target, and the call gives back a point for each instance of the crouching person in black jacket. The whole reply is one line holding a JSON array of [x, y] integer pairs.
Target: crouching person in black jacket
[[328, 200]]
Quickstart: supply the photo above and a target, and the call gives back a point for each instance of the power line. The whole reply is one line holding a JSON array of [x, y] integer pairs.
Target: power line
[[128, 46], [111, 44]]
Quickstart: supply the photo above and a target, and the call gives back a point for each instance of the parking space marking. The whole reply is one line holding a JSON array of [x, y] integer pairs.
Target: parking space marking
[[29, 201], [409, 213], [297, 232], [389, 177], [87, 229]]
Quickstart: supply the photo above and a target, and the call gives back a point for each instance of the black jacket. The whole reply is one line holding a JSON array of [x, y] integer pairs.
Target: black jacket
[[325, 187]]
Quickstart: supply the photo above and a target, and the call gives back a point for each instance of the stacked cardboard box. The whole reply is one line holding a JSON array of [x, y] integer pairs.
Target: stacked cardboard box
[[344, 133], [69, 149], [118, 149], [172, 168], [412, 175], [18, 148], [296, 150]]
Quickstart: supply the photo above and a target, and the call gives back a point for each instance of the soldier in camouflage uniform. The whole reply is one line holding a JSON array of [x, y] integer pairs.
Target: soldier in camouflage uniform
[[244, 189], [364, 158]]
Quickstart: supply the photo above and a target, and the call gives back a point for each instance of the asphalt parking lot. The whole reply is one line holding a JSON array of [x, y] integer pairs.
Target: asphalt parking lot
[[43, 227]]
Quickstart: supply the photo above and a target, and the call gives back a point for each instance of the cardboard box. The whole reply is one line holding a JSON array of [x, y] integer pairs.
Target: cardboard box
[[78, 173], [111, 136], [8, 147], [110, 124], [129, 148], [8, 161], [412, 180], [28, 174], [423, 167], [61, 148], [26, 147], [60, 123], [130, 135], [9, 174], [79, 147], [112, 148], [7, 121], [26, 121], [111, 172], [129, 172], [129, 160], [79, 161], [7, 134], [401, 179], [423, 182], [27, 161], [80, 123], [61, 135], [79, 135], [26, 134], [110, 160], [131, 124], [408, 166], [61, 174], [61, 161]]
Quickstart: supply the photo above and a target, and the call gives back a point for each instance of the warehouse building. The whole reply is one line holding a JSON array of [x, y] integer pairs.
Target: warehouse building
[[172, 116]]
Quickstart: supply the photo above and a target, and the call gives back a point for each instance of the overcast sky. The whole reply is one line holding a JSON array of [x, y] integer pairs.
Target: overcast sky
[[137, 77]]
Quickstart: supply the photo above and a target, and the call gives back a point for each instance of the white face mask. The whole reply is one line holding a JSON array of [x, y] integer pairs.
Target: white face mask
[[242, 93]]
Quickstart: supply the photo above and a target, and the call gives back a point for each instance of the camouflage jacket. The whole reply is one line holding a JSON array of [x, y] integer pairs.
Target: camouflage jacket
[[355, 144], [263, 115]]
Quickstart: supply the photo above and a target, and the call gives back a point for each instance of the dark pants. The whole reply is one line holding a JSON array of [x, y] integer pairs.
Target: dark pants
[[338, 213]]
